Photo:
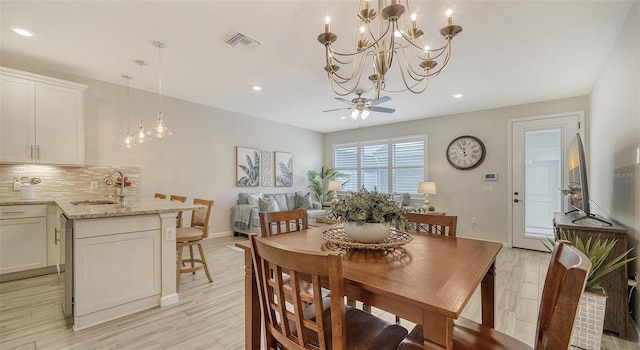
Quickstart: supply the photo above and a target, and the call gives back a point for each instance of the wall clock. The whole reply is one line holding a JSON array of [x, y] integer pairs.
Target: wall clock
[[465, 152]]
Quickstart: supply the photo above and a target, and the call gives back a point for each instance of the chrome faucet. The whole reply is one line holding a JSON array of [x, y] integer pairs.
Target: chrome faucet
[[109, 181]]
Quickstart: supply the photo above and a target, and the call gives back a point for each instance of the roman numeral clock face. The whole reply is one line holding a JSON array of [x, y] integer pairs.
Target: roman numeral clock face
[[465, 152]]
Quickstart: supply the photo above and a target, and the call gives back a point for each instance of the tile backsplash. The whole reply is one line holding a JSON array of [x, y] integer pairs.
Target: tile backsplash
[[65, 182]]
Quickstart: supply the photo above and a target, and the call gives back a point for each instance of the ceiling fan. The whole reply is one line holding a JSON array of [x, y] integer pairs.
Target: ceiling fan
[[362, 106]]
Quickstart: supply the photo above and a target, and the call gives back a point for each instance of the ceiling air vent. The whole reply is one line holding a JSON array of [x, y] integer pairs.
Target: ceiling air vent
[[242, 42]]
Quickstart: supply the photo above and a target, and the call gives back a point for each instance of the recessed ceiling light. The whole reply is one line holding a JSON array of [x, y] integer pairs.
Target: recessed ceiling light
[[343, 117], [457, 95], [23, 32], [256, 88]]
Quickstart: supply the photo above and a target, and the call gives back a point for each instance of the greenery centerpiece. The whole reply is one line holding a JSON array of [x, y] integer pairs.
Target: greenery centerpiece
[[367, 215]]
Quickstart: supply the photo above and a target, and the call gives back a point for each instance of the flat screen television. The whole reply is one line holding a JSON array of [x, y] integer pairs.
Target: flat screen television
[[578, 184]]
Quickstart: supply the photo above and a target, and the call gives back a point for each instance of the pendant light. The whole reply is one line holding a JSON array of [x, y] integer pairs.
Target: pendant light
[[128, 141], [141, 136], [160, 130]]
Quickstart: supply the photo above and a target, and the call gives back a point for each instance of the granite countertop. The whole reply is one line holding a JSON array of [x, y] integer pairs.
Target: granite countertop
[[132, 207]]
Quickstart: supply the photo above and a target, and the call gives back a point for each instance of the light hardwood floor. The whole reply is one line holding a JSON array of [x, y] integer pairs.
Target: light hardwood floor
[[211, 316]]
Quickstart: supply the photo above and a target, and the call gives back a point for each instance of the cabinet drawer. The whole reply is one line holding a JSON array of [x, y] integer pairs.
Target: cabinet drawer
[[22, 211]]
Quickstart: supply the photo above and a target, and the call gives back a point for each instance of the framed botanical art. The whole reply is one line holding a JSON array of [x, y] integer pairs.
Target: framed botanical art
[[284, 169], [267, 168], [247, 167]]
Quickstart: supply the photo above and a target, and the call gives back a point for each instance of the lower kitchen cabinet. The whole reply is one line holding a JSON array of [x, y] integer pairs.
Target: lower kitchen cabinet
[[23, 238], [117, 267]]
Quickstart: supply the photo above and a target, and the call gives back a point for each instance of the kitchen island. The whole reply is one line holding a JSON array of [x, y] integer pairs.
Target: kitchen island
[[119, 259], [123, 258]]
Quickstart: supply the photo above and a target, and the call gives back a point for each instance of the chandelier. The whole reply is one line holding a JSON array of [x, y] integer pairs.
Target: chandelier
[[384, 36]]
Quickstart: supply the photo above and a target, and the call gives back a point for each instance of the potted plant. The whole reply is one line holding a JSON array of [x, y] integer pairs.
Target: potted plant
[[367, 215], [318, 182], [592, 305]]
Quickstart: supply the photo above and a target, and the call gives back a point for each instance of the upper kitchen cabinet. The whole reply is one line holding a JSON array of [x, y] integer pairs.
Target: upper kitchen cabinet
[[41, 119]]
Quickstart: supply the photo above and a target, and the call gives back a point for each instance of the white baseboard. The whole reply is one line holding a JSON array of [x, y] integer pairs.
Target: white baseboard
[[220, 234], [169, 299]]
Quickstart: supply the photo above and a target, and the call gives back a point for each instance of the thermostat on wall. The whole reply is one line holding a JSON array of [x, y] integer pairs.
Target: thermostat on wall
[[490, 176]]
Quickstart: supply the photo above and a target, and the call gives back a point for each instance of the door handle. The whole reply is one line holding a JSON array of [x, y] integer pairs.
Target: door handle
[[57, 236], [516, 200], [515, 193], [31, 151], [38, 152]]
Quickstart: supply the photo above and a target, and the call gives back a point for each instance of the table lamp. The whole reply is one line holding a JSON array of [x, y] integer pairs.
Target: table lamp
[[334, 186], [427, 188]]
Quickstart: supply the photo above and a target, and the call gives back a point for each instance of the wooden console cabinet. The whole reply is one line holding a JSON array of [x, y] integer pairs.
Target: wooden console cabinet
[[615, 283]]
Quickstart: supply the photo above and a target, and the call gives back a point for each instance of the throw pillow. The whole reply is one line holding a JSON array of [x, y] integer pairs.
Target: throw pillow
[[253, 198], [398, 198], [268, 205], [303, 202]]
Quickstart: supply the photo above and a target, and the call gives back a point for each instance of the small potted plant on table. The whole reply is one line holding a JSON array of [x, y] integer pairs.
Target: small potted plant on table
[[367, 215]]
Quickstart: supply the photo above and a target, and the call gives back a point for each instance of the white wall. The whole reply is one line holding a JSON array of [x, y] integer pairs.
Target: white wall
[[459, 192], [614, 137], [199, 159]]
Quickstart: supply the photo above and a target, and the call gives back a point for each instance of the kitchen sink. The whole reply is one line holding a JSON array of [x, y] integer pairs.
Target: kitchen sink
[[94, 202]]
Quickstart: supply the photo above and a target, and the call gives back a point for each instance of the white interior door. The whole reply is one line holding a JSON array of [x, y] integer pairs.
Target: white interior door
[[538, 172]]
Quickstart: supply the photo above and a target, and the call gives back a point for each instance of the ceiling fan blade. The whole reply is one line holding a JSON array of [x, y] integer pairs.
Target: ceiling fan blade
[[337, 109], [344, 100], [382, 99], [382, 109]]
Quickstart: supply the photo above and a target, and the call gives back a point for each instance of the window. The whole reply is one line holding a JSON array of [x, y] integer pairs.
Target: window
[[391, 166]]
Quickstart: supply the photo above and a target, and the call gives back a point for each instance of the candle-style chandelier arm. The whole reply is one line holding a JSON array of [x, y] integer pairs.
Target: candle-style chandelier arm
[[332, 69]]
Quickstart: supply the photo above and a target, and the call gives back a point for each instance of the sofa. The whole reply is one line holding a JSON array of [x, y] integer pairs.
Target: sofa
[[245, 217]]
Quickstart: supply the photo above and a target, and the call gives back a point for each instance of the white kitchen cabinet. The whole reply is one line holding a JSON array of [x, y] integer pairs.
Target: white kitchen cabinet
[[55, 244], [116, 267], [41, 119], [23, 237]]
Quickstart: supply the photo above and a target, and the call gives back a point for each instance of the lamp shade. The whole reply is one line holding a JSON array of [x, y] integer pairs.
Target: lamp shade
[[334, 185], [427, 188]]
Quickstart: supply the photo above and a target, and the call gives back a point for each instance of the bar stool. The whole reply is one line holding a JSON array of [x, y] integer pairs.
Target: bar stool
[[181, 199], [191, 236], [160, 195]]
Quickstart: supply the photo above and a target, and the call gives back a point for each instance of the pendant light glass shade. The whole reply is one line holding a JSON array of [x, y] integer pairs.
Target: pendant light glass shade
[[128, 141], [142, 137], [160, 130]]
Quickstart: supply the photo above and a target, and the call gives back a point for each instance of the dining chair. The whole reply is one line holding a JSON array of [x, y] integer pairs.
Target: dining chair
[[160, 196], [193, 236], [439, 224], [277, 222], [325, 323], [563, 286], [181, 199]]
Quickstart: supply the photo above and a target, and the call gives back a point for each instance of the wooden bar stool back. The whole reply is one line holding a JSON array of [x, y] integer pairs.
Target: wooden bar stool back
[[160, 196], [276, 222], [439, 224], [294, 319], [181, 199], [563, 286], [193, 236]]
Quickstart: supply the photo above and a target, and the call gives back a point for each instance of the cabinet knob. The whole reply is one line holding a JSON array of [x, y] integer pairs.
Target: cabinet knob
[[516, 200]]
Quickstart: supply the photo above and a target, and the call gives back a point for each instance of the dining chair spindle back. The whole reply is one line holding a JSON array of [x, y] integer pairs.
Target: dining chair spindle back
[[277, 222], [293, 318], [439, 224]]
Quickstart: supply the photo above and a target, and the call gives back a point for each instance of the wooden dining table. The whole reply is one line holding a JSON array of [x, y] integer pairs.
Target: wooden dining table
[[427, 281]]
